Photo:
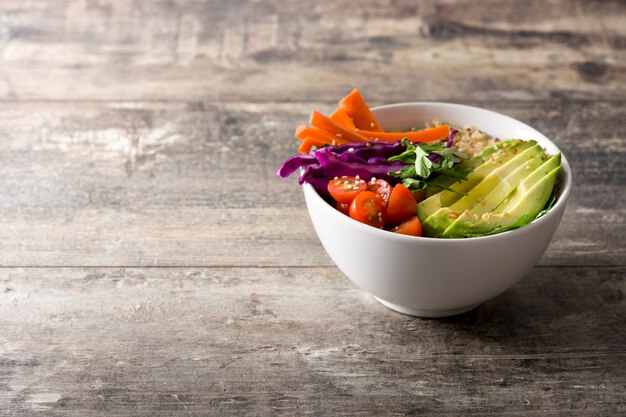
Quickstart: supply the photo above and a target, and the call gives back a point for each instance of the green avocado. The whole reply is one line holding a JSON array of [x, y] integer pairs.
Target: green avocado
[[520, 208], [489, 202], [435, 224], [441, 182], [492, 158]]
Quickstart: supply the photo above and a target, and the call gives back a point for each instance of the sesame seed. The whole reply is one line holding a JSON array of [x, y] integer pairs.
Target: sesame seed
[[373, 178], [357, 177], [336, 178], [339, 134], [372, 124], [350, 149]]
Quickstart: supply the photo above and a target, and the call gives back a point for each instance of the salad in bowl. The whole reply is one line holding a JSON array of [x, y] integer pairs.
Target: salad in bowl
[[431, 207]]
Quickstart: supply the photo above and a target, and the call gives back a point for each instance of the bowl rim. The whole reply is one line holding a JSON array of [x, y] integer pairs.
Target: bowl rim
[[560, 204]]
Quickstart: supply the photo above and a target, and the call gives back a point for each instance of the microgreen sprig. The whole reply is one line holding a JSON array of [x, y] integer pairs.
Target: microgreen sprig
[[425, 159]]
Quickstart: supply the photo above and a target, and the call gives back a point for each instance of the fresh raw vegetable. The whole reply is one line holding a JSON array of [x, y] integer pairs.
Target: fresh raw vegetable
[[369, 208], [344, 208], [411, 227], [419, 181], [376, 203], [401, 205], [353, 122], [507, 191], [380, 187], [423, 159], [303, 132], [308, 143], [366, 160], [344, 189], [359, 111], [426, 135], [326, 124], [340, 116]]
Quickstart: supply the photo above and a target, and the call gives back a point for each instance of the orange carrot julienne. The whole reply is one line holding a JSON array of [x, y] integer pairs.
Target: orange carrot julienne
[[357, 109], [324, 123], [340, 116], [302, 132], [308, 143], [428, 135]]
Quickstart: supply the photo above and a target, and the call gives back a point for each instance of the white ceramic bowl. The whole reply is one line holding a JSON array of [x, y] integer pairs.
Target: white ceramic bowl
[[430, 277]]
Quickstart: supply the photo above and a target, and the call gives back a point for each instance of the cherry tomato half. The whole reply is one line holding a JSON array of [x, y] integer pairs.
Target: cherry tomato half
[[380, 187], [344, 208], [344, 189], [369, 208], [411, 227], [401, 205]]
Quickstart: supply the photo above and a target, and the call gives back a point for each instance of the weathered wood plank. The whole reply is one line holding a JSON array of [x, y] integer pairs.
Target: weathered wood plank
[[286, 50], [276, 341], [140, 184]]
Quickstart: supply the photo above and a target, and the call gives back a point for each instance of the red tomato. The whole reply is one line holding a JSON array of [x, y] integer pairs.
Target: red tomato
[[369, 208], [401, 205], [344, 189], [380, 187], [344, 208], [411, 227]]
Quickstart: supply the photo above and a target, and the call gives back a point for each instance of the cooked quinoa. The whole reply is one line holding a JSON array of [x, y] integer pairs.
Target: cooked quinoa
[[469, 139]]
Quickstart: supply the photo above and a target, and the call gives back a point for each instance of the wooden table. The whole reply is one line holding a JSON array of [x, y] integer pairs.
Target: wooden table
[[151, 263]]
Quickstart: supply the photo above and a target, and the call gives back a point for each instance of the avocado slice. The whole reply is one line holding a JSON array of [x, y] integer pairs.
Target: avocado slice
[[496, 155], [441, 182], [537, 175], [521, 208], [495, 197], [435, 224]]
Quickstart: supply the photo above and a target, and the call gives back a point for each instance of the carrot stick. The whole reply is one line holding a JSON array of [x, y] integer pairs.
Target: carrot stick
[[308, 143], [340, 116], [302, 132], [322, 122], [428, 135], [357, 109]]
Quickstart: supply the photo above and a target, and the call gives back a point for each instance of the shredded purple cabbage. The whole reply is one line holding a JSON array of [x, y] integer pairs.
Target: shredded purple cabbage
[[366, 160], [450, 141]]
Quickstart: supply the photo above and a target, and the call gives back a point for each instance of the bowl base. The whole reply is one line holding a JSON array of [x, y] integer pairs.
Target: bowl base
[[425, 313]]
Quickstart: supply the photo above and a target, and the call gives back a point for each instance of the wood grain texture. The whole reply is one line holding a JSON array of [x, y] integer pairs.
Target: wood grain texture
[[284, 341], [288, 50], [151, 263], [169, 184]]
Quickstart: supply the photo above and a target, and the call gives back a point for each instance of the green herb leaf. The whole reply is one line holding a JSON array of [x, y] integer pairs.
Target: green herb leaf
[[420, 170], [423, 165]]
